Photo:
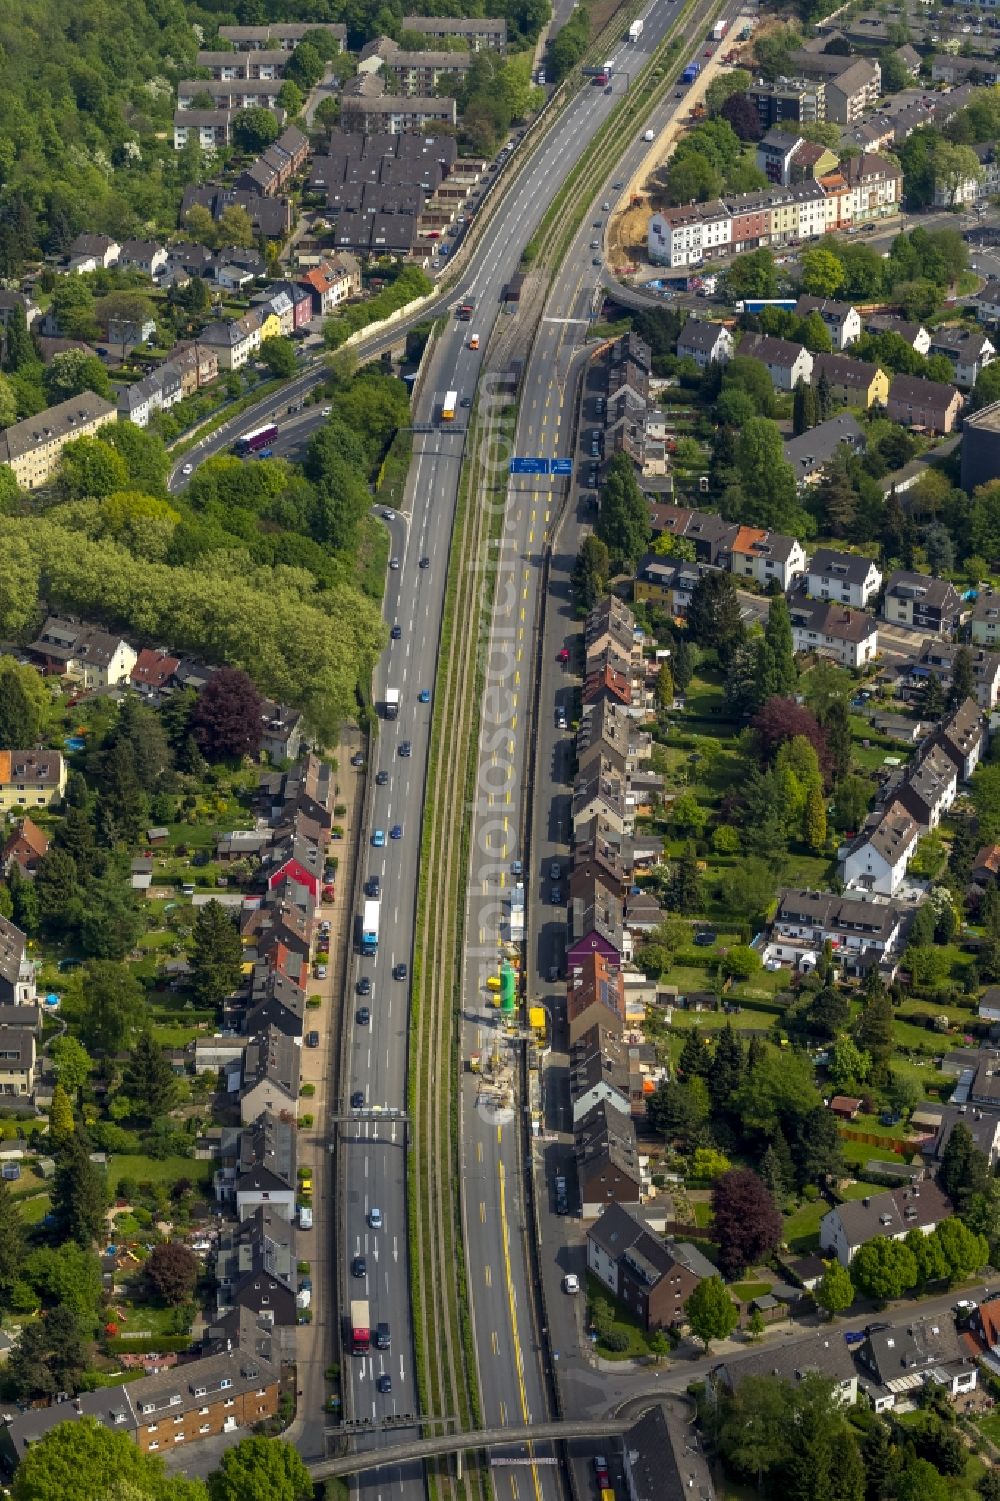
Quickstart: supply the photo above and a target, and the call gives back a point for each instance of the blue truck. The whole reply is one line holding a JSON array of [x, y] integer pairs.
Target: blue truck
[[691, 72]]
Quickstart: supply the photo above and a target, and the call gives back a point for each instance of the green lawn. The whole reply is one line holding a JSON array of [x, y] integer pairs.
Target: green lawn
[[801, 1229], [747, 1291], [165, 1170], [624, 1322]]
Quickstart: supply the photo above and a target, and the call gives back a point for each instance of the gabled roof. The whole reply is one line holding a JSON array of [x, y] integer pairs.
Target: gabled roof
[[816, 447], [935, 394], [920, 1206], [780, 352], [842, 370], [700, 335], [828, 562]]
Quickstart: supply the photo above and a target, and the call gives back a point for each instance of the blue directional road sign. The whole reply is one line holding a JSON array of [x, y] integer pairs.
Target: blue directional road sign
[[529, 466], [562, 466]]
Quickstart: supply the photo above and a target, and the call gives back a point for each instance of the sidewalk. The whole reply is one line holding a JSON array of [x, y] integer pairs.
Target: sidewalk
[[316, 1342]]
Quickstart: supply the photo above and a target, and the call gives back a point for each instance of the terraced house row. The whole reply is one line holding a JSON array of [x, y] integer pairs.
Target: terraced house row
[[861, 190]]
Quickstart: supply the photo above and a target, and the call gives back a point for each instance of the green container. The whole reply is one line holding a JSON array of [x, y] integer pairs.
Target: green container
[[508, 989]]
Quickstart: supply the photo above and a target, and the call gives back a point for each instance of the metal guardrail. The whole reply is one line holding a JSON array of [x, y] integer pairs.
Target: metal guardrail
[[460, 1443]]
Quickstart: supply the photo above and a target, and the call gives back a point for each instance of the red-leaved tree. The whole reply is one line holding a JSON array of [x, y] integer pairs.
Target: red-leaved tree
[[226, 720], [747, 1222], [781, 719]]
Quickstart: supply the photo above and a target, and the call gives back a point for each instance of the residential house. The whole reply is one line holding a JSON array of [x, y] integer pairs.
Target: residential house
[[986, 866], [478, 33], [927, 787], [143, 255], [846, 577], [17, 1062], [928, 404], [153, 673], [811, 452], [856, 382], [603, 1066], [610, 1167], [25, 846], [255, 1270], [234, 342], [88, 252], [663, 1460], [841, 319], [275, 1001], [704, 343], [987, 303], [824, 1353], [395, 113], [595, 995], [31, 779], [915, 334], [875, 185], [968, 349], [257, 1166], [983, 1125], [766, 556], [811, 162], [937, 659], [921, 602], [921, 1206], [332, 282], [775, 153], [985, 623], [897, 1362], [787, 363], [853, 91], [652, 1278], [863, 933], [283, 35], [32, 448], [829, 629], [281, 731], [962, 736], [876, 859], [270, 1076], [17, 971], [689, 235]]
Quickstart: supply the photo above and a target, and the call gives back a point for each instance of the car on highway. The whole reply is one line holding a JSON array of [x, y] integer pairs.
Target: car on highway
[[425, 562], [188, 469], [394, 564], [312, 1039], [373, 888], [378, 839], [384, 1385], [466, 401], [596, 261], [396, 632], [396, 832], [364, 1016], [358, 1099], [381, 777], [571, 1283], [359, 1267], [601, 1472], [375, 1217], [404, 749], [595, 244], [424, 695], [364, 985], [399, 972]]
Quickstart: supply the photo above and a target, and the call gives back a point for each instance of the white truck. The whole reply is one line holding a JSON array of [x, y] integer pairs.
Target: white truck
[[635, 31], [649, 135], [517, 913], [392, 703], [719, 30]]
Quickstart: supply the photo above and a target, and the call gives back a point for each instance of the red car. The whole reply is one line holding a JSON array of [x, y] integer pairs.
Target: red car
[[564, 655], [329, 893]]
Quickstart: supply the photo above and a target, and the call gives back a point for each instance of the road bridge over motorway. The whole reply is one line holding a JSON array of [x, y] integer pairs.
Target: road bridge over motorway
[[458, 1443]]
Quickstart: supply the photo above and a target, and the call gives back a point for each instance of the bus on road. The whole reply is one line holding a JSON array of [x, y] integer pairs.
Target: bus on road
[[261, 437], [448, 406]]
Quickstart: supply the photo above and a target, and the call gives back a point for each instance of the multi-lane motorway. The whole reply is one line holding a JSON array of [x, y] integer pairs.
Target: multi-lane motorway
[[373, 1150]]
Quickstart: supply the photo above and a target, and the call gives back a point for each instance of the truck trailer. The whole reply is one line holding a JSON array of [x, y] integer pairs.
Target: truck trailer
[[391, 708], [635, 31], [369, 927], [691, 72], [719, 30], [361, 1329]]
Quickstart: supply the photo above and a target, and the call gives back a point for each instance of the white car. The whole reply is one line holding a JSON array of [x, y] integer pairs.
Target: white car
[[394, 564], [328, 411], [375, 1217], [188, 469], [571, 1283]]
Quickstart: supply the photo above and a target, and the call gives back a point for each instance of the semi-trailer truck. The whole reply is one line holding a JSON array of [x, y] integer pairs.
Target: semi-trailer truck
[[391, 708], [691, 72], [361, 1330], [369, 927], [635, 31], [448, 406]]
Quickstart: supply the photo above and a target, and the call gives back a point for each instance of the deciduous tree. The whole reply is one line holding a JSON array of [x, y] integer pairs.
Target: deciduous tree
[[883, 1269], [226, 720], [171, 1269], [835, 1291], [747, 1222], [711, 1312], [261, 1469]]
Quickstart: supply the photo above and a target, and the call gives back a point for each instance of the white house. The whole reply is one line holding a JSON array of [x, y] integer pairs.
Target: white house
[[921, 1206], [787, 363], [877, 858], [842, 320], [689, 235], [969, 350], [766, 556], [862, 932], [845, 577], [831, 630], [143, 255], [704, 342]]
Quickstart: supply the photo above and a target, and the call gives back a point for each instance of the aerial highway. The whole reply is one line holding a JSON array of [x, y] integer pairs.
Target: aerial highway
[[508, 1356]]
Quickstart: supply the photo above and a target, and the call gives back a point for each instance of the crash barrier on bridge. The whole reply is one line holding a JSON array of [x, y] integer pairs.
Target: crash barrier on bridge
[[368, 1425], [460, 1443]]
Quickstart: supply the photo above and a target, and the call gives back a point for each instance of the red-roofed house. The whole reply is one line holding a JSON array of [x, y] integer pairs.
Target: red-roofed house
[[25, 847], [986, 866], [608, 682], [845, 1106], [332, 282], [986, 1323], [595, 995], [151, 676]]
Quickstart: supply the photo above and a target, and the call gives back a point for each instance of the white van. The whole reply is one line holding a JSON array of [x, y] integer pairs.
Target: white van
[[305, 1217]]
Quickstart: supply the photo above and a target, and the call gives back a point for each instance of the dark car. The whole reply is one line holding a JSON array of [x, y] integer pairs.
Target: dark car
[[466, 401], [359, 1267], [364, 986], [373, 887], [358, 1099], [364, 1016], [357, 759], [396, 632], [312, 1039], [384, 1384], [381, 778], [705, 939], [426, 562], [404, 748], [399, 972]]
